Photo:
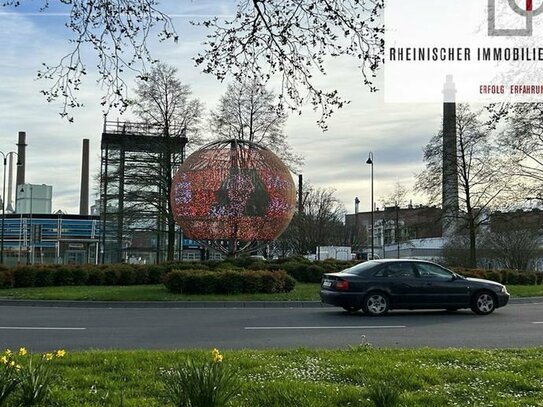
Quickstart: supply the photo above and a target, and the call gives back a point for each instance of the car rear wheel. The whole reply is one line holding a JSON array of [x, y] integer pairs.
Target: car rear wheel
[[376, 303], [351, 310], [483, 303]]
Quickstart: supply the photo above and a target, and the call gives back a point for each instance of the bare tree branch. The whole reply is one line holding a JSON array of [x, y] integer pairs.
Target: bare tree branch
[[291, 39], [118, 32]]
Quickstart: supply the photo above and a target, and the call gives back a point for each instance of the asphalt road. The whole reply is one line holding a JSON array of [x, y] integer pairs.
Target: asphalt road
[[46, 328]]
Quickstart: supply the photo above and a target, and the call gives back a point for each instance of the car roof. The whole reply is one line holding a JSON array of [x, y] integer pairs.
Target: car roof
[[402, 260]]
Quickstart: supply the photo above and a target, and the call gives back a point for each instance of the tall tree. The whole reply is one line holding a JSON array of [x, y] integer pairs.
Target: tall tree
[[320, 223], [522, 141], [247, 112], [515, 249], [396, 199], [163, 103], [291, 39], [483, 181]]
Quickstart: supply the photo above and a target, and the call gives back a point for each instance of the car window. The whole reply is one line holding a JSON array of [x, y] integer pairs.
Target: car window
[[399, 270], [432, 271]]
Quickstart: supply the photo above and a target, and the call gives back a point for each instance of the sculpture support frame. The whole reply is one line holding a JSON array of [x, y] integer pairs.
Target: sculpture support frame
[[235, 194]]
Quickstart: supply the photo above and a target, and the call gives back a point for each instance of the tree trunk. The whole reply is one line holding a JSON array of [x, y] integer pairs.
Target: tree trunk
[[171, 239], [472, 242]]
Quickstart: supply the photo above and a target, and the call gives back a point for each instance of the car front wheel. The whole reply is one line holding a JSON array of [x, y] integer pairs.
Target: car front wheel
[[483, 303], [376, 304]]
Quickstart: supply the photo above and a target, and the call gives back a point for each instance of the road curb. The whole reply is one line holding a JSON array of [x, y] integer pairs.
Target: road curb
[[194, 304], [162, 304]]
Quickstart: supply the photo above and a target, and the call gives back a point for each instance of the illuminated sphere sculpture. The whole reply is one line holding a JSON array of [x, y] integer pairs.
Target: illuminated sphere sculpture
[[232, 194]]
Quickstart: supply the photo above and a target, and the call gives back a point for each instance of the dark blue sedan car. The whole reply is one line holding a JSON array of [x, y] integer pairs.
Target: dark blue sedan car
[[377, 286]]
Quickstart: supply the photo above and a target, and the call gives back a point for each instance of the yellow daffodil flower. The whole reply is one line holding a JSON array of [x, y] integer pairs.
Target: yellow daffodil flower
[[216, 355], [60, 353], [8, 352], [4, 360], [48, 356], [22, 351]]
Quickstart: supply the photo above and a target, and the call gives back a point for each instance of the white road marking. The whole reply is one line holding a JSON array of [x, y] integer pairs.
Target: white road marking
[[39, 328], [269, 328], [537, 323]]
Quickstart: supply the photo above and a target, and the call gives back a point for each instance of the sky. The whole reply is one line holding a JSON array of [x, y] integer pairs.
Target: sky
[[394, 133]]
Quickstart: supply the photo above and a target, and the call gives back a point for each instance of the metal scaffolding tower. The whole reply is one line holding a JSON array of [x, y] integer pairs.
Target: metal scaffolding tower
[[137, 164]]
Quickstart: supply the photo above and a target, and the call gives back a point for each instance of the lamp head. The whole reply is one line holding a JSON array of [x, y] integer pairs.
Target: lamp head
[[370, 158]]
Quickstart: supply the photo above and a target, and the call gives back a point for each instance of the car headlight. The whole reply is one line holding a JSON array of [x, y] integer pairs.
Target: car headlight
[[503, 290]]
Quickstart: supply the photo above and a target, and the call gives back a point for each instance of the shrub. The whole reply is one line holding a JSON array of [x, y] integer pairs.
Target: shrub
[[288, 283], [187, 281], [527, 278], [71, 275], [127, 275], [251, 281], [44, 277], [227, 282], [111, 276], [314, 274], [511, 277], [494, 275], [24, 276], [297, 270], [97, 277], [155, 273], [6, 279], [141, 275]]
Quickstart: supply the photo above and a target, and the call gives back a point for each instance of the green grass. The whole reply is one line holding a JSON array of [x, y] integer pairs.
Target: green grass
[[302, 292], [314, 378], [525, 290]]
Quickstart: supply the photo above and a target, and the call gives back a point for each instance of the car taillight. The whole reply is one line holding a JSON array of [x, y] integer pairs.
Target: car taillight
[[342, 285]]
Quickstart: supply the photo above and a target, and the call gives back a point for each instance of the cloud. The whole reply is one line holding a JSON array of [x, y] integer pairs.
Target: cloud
[[395, 134]]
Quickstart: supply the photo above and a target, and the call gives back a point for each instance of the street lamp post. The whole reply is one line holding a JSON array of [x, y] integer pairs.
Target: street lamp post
[[30, 251], [5, 157], [370, 161]]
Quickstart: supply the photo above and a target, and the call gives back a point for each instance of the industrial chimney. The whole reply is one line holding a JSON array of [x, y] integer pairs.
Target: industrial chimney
[[450, 169], [21, 153], [84, 194]]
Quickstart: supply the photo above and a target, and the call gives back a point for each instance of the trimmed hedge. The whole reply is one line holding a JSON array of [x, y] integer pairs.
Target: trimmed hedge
[[60, 275], [228, 282], [302, 270], [513, 277]]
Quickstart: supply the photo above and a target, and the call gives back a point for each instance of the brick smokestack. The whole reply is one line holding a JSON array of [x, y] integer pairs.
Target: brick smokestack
[[84, 194], [450, 169], [21, 153]]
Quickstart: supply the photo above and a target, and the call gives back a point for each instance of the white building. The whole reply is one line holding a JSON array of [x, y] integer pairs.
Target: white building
[[34, 199]]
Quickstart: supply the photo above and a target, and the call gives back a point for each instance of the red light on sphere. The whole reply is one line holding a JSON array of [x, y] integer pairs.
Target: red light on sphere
[[233, 190]]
